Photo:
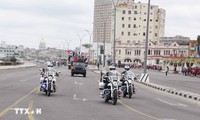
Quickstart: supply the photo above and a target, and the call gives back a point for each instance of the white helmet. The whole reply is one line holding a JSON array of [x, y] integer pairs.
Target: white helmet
[[49, 64], [112, 68], [127, 67]]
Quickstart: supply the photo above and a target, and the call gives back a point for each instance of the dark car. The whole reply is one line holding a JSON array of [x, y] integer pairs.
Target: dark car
[[78, 68]]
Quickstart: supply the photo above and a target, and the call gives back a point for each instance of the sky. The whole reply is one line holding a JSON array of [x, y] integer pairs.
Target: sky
[[60, 22]]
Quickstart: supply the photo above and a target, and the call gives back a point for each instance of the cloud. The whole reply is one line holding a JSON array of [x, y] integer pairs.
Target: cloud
[[27, 21]]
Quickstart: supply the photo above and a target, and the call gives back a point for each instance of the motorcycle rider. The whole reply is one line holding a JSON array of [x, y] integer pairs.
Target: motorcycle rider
[[111, 72], [50, 69], [126, 71]]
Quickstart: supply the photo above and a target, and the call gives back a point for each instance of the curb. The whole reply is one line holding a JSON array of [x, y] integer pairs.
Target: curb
[[185, 94]]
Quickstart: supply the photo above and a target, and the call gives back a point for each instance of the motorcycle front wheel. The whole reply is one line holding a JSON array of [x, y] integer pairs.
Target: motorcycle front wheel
[[130, 92], [114, 99], [49, 89]]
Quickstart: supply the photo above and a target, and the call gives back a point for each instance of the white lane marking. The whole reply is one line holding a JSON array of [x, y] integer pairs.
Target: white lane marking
[[167, 119], [165, 102], [74, 97], [182, 105], [78, 83], [85, 99], [172, 104]]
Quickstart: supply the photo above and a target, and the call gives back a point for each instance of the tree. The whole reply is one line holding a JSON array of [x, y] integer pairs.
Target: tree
[[198, 39], [13, 60]]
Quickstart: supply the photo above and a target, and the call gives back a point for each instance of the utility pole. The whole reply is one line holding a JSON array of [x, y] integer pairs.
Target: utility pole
[[80, 38], [104, 44], [68, 42], [90, 45], [114, 51], [147, 37]]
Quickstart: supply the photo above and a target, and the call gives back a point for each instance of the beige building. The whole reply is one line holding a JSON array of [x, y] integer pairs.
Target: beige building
[[130, 25], [134, 53], [132, 19]]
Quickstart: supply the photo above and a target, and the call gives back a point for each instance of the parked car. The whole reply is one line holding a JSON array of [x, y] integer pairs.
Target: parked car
[[78, 68]]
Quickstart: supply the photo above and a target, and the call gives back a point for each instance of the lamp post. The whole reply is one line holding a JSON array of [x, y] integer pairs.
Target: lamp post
[[147, 37], [80, 38], [115, 7], [97, 44], [68, 42], [90, 35]]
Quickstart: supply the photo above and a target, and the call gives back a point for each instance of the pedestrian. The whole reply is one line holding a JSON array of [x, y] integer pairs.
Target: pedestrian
[[175, 70], [167, 70], [98, 65]]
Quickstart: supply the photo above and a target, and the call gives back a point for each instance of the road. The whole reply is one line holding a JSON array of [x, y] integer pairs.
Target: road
[[178, 81], [77, 98]]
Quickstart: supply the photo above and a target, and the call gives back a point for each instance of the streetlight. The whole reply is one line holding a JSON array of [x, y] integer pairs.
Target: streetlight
[[115, 7], [147, 37], [90, 35], [80, 38], [68, 42]]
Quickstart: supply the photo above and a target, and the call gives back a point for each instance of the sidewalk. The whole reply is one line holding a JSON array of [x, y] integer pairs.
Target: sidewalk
[[25, 65]]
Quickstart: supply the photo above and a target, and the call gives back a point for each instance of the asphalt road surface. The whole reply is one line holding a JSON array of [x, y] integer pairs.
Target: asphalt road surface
[[77, 98], [178, 81]]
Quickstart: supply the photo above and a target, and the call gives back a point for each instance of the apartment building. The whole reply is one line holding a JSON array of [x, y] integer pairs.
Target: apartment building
[[131, 20]]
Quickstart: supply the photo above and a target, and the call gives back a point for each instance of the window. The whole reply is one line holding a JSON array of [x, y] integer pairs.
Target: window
[[123, 12], [129, 25], [122, 33], [150, 20], [156, 34], [156, 27], [129, 33], [122, 18], [123, 25], [135, 12], [128, 41], [135, 7], [129, 12], [144, 19], [149, 52], [129, 18], [143, 33], [134, 18], [134, 26], [119, 52]]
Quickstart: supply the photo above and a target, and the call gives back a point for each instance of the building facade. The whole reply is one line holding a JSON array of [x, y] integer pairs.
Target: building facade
[[131, 19], [134, 53]]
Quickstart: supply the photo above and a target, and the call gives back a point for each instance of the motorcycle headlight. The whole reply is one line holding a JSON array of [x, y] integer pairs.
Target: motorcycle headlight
[[50, 78], [115, 83]]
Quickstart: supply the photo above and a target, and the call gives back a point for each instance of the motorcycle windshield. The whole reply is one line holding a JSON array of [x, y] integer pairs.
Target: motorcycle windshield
[[129, 73], [112, 78], [50, 73]]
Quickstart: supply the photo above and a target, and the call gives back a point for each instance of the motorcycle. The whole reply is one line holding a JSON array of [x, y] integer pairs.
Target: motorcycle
[[47, 81], [127, 86], [110, 91]]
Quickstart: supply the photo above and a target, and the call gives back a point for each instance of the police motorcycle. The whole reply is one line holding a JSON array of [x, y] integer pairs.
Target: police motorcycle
[[110, 87], [47, 81], [127, 86]]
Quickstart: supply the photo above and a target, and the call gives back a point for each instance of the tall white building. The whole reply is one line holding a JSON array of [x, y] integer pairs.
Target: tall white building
[[131, 20]]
